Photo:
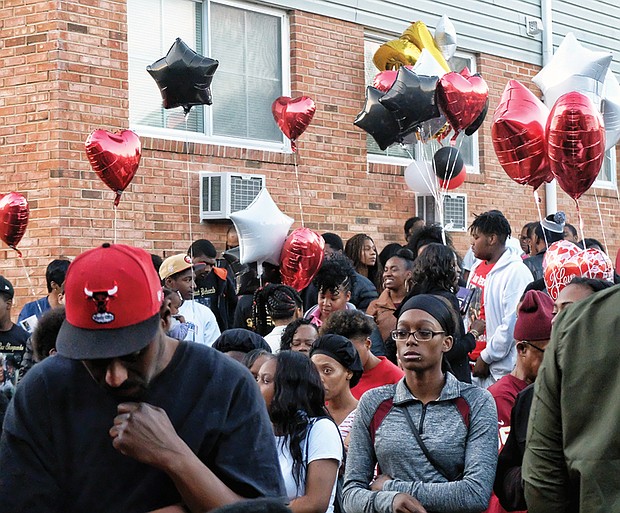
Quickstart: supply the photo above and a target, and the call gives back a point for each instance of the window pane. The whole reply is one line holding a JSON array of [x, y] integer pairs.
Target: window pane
[[153, 28], [249, 78], [607, 169]]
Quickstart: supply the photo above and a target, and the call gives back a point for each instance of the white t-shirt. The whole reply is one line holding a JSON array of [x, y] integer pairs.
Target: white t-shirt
[[203, 327], [324, 443], [273, 338]]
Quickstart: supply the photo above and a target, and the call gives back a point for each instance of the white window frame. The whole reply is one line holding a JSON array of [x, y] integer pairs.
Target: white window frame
[[207, 136], [607, 184], [374, 158]]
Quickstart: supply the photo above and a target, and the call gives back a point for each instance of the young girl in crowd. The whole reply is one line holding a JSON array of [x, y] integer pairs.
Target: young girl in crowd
[[308, 441], [433, 437], [334, 282], [175, 327], [340, 368], [299, 336], [279, 303], [396, 285], [362, 251]]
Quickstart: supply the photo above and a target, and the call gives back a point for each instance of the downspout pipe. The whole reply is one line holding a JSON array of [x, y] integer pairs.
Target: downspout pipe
[[546, 7]]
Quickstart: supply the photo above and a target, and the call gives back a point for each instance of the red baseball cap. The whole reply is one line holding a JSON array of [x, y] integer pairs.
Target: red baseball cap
[[112, 300]]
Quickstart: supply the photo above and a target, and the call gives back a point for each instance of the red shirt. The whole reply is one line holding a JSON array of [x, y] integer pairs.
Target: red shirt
[[478, 279], [385, 373], [505, 391]]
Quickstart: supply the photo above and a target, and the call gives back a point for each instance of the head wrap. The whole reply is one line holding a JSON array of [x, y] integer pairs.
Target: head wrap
[[240, 339], [343, 351], [434, 306]]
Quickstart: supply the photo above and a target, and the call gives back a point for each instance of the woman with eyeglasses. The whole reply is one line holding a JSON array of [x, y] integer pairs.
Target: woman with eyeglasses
[[433, 437]]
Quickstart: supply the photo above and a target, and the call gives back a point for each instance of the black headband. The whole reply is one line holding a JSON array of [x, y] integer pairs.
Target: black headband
[[433, 306]]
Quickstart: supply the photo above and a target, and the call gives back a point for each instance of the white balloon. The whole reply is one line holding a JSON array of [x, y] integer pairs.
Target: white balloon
[[610, 108], [445, 37], [262, 228], [428, 66], [421, 178], [573, 68]]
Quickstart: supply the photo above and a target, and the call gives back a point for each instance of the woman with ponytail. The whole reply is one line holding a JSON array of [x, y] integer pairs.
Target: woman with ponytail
[[274, 307], [308, 441]]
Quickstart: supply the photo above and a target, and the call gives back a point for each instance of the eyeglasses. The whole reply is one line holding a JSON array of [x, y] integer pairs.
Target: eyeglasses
[[419, 335], [533, 345]]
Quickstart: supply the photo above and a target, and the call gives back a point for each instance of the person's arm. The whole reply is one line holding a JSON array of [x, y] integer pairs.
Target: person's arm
[[320, 480], [546, 481], [500, 342], [361, 461], [473, 491], [145, 433], [29, 475]]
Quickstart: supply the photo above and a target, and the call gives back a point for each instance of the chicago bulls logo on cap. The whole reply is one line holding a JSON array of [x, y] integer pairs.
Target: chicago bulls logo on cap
[[101, 298]]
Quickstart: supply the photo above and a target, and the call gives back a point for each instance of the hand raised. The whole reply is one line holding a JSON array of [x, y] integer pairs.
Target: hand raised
[[405, 503]]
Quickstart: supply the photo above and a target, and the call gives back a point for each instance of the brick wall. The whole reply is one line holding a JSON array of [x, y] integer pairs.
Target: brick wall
[[64, 74]]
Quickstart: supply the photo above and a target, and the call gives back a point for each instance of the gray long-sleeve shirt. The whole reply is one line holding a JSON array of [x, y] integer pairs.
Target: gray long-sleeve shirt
[[441, 426]]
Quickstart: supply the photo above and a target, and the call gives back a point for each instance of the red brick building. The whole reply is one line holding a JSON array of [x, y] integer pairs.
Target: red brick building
[[65, 73]]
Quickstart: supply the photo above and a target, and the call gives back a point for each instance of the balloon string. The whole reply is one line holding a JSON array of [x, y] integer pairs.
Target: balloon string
[[114, 221], [189, 188], [301, 207], [583, 239], [600, 218], [32, 290]]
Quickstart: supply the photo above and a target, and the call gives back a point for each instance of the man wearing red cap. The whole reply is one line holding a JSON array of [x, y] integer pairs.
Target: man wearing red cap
[[126, 419], [532, 333]]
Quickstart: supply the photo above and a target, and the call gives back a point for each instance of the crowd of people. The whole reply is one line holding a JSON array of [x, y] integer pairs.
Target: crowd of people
[[412, 380]]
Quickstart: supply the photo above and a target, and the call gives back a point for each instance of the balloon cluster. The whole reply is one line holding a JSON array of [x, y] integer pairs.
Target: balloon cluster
[[415, 91], [566, 136]]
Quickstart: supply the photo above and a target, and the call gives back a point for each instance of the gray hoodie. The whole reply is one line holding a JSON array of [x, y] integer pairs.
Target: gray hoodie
[[457, 448]]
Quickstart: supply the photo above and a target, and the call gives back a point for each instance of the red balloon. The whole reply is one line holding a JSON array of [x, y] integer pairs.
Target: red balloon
[[293, 115], [385, 79], [564, 260], [576, 143], [114, 157], [14, 213], [462, 98], [455, 182], [301, 258], [519, 132]]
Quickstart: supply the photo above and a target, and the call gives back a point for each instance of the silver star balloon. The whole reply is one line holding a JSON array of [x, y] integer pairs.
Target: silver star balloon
[[445, 37], [610, 108]]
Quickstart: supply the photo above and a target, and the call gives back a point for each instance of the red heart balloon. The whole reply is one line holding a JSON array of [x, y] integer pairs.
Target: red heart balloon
[[301, 258], [293, 116], [385, 79], [114, 157], [462, 97], [14, 214], [564, 260], [519, 138], [576, 143]]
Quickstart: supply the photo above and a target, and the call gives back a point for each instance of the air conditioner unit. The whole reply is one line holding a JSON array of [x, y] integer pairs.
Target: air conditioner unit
[[454, 211], [221, 194]]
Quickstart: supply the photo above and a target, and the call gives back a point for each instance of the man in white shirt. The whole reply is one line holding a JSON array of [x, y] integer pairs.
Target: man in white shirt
[[177, 273]]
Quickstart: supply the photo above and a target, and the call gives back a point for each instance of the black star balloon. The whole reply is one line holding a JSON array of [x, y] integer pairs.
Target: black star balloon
[[377, 120], [183, 77], [411, 99]]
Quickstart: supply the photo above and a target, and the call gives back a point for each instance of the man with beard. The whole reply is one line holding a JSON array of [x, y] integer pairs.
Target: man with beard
[[127, 419]]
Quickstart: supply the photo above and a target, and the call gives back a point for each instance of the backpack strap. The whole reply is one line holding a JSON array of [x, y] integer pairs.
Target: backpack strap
[[380, 413], [463, 407]]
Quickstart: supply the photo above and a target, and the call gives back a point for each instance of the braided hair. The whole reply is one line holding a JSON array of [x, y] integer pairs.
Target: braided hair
[[271, 302]]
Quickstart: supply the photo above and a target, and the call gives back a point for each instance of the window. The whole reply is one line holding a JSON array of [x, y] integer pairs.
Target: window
[[251, 45], [397, 154], [607, 175]]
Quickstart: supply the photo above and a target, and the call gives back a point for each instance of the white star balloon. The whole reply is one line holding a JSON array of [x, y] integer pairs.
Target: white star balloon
[[610, 108], [573, 68], [262, 228], [445, 37]]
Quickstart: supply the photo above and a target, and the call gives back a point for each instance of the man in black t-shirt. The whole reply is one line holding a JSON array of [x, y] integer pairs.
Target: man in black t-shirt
[[215, 286], [126, 419], [12, 339]]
